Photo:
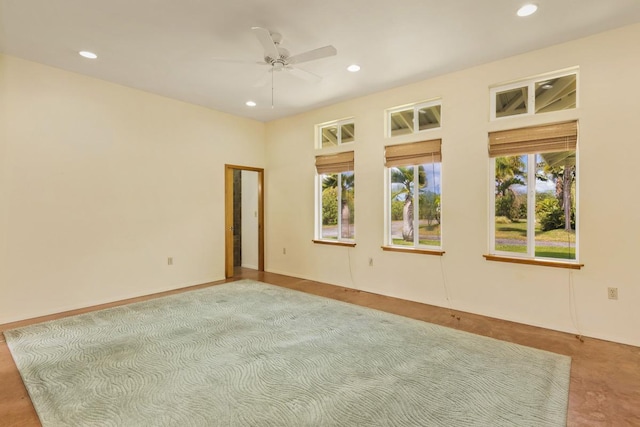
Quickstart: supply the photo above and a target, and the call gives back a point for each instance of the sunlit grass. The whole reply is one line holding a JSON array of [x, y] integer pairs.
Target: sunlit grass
[[518, 231], [402, 242], [555, 252], [563, 252], [512, 248]]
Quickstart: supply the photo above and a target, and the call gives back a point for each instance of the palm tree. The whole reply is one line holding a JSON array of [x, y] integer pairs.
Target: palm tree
[[563, 173], [509, 171], [404, 177], [568, 176]]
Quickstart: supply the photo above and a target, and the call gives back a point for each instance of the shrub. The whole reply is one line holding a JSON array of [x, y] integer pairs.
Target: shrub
[[503, 220], [430, 207], [551, 215], [329, 206], [396, 210]]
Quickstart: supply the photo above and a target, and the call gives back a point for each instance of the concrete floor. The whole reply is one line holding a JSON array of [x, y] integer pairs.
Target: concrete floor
[[605, 376]]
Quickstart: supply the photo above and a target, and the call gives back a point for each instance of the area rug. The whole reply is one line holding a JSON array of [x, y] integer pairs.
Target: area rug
[[250, 354]]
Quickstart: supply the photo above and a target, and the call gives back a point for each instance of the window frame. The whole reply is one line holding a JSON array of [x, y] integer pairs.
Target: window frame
[[339, 124], [318, 226], [416, 247], [415, 107], [530, 257], [530, 84]]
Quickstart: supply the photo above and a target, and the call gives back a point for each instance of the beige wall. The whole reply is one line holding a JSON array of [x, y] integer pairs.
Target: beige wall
[[100, 183], [609, 221]]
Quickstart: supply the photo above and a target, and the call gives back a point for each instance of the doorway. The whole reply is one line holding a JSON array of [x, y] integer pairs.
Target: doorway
[[244, 218]]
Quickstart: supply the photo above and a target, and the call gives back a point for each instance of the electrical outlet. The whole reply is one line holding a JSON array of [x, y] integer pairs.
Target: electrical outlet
[[370, 262], [612, 293], [170, 260], [284, 251]]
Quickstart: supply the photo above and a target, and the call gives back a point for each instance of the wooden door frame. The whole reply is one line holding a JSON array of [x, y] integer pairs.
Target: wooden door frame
[[228, 216]]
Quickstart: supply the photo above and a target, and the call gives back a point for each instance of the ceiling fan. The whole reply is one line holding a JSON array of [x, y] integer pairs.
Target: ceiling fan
[[280, 59]]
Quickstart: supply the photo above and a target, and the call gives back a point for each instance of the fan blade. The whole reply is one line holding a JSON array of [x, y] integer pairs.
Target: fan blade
[[321, 52], [238, 61], [264, 37], [266, 78], [304, 75]]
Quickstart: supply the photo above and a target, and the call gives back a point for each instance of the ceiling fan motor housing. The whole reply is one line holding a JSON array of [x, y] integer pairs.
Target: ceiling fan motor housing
[[279, 62]]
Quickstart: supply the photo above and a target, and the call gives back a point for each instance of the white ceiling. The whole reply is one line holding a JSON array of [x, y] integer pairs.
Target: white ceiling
[[173, 47]]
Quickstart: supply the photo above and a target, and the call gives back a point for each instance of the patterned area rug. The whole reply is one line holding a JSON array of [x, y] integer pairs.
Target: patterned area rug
[[251, 354]]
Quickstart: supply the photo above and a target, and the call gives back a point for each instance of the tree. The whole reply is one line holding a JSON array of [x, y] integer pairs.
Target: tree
[[330, 182], [564, 176], [568, 176], [329, 206], [404, 178], [509, 171], [429, 204]]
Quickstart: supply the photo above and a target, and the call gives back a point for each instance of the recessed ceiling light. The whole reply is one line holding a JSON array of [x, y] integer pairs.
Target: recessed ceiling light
[[527, 9], [353, 68], [87, 54], [250, 104], [547, 86]]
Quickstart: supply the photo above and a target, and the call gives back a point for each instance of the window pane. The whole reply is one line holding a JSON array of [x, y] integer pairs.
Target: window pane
[[555, 205], [429, 117], [348, 133], [512, 102], [347, 206], [401, 191], [556, 94], [511, 204], [329, 206], [429, 205], [329, 136], [402, 122]]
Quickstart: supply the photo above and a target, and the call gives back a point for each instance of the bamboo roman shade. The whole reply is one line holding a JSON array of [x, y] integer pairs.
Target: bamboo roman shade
[[334, 163], [538, 139], [415, 153]]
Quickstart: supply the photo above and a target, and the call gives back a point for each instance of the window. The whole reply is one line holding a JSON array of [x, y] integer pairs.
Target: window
[[554, 92], [413, 194], [335, 133], [535, 190], [335, 197], [414, 118]]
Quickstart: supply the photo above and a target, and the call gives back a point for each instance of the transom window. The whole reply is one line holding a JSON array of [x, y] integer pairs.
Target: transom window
[[414, 118], [335, 133], [335, 195], [535, 190], [413, 194], [554, 92]]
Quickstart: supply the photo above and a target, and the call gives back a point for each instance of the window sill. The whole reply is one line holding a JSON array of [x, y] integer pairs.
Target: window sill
[[413, 250], [334, 243], [529, 261]]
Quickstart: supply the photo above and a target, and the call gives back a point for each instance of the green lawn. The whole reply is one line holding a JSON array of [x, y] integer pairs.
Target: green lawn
[[425, 230], [517, 231], [401, 242]]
